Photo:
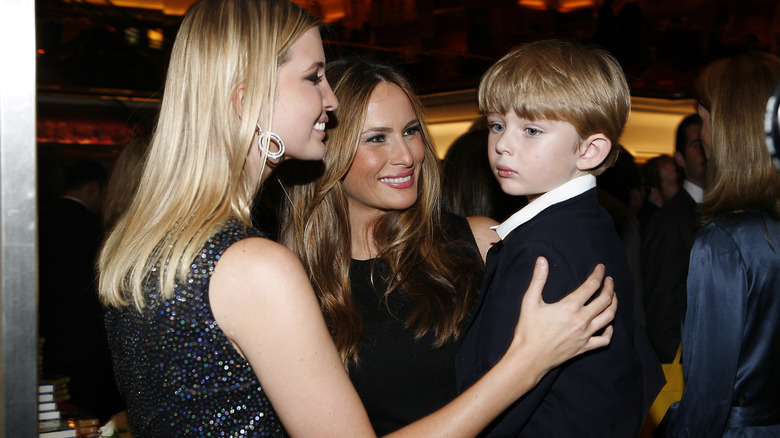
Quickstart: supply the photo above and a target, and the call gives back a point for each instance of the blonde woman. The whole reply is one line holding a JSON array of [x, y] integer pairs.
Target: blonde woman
[[396, 277]]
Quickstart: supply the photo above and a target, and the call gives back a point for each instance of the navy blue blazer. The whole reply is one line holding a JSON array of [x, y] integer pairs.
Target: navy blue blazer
[[598, 394], [731, 331]]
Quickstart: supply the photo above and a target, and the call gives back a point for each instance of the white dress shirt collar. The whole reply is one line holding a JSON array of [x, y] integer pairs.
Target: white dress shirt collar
[[568, 190], [696, 192]]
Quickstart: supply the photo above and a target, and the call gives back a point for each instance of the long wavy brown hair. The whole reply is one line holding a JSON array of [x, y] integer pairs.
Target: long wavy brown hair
[[438, 273]]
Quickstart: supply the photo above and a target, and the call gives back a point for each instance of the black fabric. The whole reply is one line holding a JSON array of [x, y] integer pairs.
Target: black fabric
[[71, 316], [176, 368], [666, 247], [602, 393], [399, 379]]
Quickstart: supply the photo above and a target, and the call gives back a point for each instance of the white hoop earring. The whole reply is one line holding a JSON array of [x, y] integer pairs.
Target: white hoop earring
[[274, 138]]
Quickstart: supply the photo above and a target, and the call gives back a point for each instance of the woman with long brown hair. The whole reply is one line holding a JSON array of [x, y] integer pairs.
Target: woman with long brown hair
[[731, 330], [396, 277]]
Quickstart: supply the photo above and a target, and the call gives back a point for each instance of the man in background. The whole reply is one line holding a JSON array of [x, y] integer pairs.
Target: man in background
[[666, 245]]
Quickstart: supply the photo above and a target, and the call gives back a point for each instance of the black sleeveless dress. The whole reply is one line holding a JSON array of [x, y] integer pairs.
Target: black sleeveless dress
[[176, 369], [400, 379]]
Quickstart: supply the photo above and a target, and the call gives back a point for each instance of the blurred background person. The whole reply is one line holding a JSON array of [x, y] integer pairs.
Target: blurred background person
[[667, 241], [71, 316], [661, 181], [619, 191], [731, 331], [123, 181]]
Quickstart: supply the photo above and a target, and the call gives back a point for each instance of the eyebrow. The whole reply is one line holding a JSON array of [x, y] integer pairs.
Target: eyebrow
[[381, 129], [384, 129]]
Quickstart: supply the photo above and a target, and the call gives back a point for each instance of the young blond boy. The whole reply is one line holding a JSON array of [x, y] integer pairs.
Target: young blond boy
[[555, 110]]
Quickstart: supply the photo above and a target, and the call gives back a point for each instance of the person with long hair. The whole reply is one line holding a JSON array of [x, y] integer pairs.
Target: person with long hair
[[123, 180], [731, 329], [396, 277]]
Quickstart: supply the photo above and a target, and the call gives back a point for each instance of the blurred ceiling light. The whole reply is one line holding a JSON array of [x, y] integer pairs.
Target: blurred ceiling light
[[329, 10], [558, 5], [169, 7], [155, 37]]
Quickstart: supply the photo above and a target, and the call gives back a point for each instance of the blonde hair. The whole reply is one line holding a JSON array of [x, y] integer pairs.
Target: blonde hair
[[437, 272], [197, 174], [563, 81], [740, 174]]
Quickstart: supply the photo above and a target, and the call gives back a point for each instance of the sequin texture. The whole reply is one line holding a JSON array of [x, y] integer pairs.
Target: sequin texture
[[176, 369]]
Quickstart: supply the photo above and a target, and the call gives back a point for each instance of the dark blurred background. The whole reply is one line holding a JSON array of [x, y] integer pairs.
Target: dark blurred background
[[101, 63]]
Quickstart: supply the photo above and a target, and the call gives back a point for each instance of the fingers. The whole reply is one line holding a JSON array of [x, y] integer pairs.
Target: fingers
[[599, 341], [606, 316], [604, 299], [538, 279], [583, 293]]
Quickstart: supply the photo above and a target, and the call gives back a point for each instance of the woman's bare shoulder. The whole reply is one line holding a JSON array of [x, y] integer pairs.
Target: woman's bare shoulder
[[485, 236]]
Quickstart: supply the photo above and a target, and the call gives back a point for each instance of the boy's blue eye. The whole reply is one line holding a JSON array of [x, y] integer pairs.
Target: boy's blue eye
[[496, 127], [532, 131]]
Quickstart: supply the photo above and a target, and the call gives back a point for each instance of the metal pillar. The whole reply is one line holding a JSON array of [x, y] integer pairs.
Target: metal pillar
[[18, 253]]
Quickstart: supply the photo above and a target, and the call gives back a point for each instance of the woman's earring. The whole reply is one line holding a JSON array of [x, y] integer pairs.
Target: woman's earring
[[274, 138]]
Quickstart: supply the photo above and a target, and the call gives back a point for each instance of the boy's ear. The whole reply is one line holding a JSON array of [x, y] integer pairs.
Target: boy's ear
[[593, 151], [238, 99]]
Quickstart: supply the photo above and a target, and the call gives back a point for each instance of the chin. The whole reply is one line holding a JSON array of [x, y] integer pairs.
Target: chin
[[313, 152], [511, 190]]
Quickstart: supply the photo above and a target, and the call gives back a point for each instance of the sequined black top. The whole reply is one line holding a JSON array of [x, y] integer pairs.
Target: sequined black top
[[176, 369]]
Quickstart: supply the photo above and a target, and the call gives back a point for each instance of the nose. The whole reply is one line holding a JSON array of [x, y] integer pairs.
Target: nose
[[329, 100], [500, 144], [402, 154]]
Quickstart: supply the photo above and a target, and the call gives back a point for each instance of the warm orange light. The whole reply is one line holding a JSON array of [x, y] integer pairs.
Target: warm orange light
[[558, 5], [170, 7], [155, 37], [539, 5], [573, 5]]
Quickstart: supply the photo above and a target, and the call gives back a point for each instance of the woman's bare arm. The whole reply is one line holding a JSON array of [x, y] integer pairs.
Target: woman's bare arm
[[262, 300]]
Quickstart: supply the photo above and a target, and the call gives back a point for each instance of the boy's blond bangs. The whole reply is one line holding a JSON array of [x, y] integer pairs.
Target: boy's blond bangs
[[562, 81]]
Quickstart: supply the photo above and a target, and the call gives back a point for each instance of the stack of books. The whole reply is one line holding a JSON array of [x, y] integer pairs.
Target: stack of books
[[56, 386], [86, 424], [50, 424], [56, 429]]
